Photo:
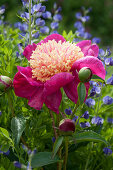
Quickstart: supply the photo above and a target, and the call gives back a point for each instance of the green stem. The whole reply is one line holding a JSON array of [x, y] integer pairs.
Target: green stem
[[30, 1], [66, 152], [74, 110], [10, 100], [53, 124]]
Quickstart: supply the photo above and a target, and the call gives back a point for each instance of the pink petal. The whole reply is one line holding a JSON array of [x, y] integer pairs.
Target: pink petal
[[71, 90], [88, 49], [56, 37], [28, 50], [37, 99], [26, 87], [91, 62], [53, 101], [57, 81]]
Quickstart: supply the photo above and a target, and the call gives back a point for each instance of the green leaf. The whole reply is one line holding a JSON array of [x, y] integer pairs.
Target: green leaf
[[43, 158], [97, 78], [5, 133], [57, 144], [89, 136], [17, 127], [81, 92]]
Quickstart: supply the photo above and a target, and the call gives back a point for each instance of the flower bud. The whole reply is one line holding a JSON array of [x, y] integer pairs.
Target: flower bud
[[5, 83], [67, 125], [85, 74]]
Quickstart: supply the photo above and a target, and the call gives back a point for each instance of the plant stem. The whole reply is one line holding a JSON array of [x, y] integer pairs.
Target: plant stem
[[66, 152], [10, 100], [53, 123], [30, 2]]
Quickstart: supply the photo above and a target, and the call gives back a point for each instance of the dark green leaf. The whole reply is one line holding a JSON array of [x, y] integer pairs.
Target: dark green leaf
[[81, 93], [17, 127], [57, 144], [89, 136], [43, 158]]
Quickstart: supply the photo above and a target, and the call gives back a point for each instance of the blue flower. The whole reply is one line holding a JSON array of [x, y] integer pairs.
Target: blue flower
[[40, 22], [0, 113], [85, 18], [2, 9], [95, 90], [36, 8], [57, 17], [108, 51], [17, 164], [78, 15], [36, 35], [110, 80], [110, 120], [107, 61], [59, 9], [44, 30], [46, 15], [84, 124], [75, 118], [90, 102], [6, 153], [107, 151], [85, 115], [68, 111], [54, 25], [53, 139], [54, 32], [87, 35], [101, 52], [97, 120], [96, 40], [107, 100], [78, 25]]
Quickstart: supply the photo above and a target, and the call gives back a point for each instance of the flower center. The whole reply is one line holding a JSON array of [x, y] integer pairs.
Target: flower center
[[53, 57]]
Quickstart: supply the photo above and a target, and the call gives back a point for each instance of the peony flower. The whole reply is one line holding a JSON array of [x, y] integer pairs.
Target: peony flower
[[54, 64]]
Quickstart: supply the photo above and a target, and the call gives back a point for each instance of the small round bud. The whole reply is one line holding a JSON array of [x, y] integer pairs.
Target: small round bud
[[85, 74], [5, 83], [67, 125]]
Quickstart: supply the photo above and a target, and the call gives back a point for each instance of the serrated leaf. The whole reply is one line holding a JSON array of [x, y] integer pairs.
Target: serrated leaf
[[43, 158], [57, 144], [81, 92], [97, 78], [89, 136], [17, 127]]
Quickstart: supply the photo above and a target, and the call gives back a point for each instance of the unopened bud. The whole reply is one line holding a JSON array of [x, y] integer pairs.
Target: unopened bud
[[85, 74], [67, 126], [5, 83]]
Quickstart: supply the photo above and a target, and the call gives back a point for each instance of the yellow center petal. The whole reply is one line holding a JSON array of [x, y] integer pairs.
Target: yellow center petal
[[53, 57]]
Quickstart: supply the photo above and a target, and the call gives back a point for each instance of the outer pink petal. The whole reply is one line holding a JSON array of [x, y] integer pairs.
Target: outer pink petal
[[56, 37], [37, 99], [71, 90], [88, 49], [26, 87], [57, 81], [91, 62], [53, 101], [28, 50]]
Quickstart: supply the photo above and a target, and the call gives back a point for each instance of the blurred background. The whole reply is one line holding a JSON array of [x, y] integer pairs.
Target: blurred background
[[99, 25]]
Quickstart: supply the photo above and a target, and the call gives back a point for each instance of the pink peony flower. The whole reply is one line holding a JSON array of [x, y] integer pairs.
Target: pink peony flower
[[54, 64]]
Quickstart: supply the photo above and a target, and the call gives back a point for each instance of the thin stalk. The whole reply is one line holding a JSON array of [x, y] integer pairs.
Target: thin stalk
[[53, 124], [66, 152], [10, 100], [30, 2]]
